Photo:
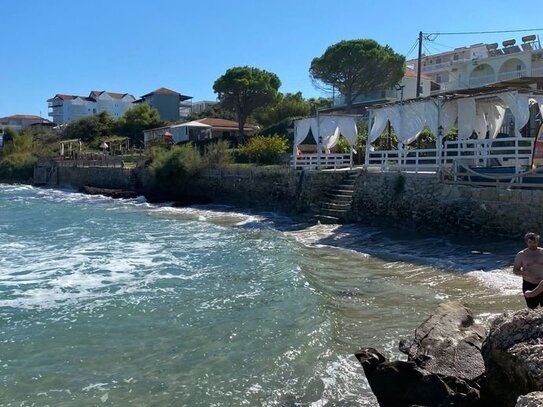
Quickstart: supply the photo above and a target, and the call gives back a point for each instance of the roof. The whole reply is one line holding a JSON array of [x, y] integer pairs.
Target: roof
[[411, 73], [25, 116], [166, 91], [224, 124], [463, 93], [63, 97], [194, 123], [96, 93]]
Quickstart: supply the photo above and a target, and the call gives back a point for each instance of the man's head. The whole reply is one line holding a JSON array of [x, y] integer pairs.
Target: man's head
[[532, 240]]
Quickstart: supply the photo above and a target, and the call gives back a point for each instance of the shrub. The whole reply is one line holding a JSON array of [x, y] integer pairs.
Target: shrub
[[17, 166], [218, 154], [264, 150], [174, 166]]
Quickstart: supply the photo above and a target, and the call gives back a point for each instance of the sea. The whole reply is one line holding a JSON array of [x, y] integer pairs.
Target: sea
[[109, 302]]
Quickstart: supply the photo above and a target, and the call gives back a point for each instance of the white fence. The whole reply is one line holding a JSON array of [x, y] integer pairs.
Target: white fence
[[507, 152], [312, 161]]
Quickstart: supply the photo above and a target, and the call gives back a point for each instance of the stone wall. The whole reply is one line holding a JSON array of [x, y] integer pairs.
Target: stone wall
[[422, 201], [280, 189], [77, 177], [418, 201]]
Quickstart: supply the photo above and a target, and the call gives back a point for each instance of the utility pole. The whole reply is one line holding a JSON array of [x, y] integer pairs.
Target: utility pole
[[419, 62]]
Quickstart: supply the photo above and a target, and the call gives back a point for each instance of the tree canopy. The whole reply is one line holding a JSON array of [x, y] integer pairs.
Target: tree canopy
[[288, 105], [355, 67], [89, 128], [244, 89], [135, 120]]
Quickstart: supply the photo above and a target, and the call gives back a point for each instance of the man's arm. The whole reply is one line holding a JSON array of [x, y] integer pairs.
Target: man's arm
[[517, 266]]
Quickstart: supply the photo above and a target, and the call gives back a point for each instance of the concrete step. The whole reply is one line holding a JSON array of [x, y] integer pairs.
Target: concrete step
[[336, 205], [328, 220], [338, 213], [329, 196]]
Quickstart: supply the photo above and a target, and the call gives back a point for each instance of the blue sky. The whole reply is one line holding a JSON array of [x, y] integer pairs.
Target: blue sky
[[73, 47]]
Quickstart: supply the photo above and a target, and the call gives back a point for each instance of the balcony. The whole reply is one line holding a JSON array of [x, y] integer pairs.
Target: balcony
[[482, 81], [377, 96], [505, 76]]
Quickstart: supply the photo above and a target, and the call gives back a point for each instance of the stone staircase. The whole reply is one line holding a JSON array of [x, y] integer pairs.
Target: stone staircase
[[335, 205]]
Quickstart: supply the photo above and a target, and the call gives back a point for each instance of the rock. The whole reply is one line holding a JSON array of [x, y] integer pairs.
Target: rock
[[534, 399], [513, 355], [448, 343], [112, 193], [402, 384]]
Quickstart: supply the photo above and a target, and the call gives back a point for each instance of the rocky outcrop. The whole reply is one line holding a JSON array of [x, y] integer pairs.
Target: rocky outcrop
[[534, 399], [448, 343], [451, 363], [513, 354], [443, 362]]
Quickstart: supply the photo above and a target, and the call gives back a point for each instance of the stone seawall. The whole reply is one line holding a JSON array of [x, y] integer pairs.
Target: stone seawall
[[424, 202], [419, 201]]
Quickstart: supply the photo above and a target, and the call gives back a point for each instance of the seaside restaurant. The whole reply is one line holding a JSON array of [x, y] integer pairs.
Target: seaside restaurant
[[315, 139], [497, 128]]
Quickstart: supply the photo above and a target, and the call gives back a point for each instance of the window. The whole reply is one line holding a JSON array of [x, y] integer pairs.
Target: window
[[438, 78], [438, 60]]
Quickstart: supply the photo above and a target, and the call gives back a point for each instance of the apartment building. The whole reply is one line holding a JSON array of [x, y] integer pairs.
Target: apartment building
[[483, 64], [67, 108], [168, 103]]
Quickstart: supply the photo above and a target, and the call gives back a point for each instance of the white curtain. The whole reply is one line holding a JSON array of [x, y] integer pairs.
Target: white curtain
[[347, 127], [380, 119], [329, 131], [449, 113], [519, 106], [539, 101], [466, 117], [480, 126], [301, 129], [429, 110], [494, 113]]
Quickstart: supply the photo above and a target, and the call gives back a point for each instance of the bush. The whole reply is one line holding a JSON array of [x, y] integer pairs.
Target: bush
[[264, 150], [218, 154], [17, 160], [174, 166], [17, 166]]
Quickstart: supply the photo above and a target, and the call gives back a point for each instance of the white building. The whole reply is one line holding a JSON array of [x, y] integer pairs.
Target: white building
[[199, 107], [67, 108], [483, 64], [405, 89]]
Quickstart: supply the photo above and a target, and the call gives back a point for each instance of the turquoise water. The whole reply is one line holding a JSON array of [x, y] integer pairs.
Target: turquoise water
[[116, 303]]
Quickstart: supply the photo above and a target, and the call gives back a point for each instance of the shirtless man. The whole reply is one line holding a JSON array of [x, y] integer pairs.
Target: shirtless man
[[529, 265]]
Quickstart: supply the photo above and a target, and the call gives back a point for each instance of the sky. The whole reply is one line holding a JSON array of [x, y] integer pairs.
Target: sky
[[136, 46]]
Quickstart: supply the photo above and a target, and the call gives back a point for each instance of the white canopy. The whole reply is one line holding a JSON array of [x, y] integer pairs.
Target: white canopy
[[328, 128], [477, 114]]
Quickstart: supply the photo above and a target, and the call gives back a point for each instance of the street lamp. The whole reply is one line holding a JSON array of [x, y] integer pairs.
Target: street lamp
[[399, 87]]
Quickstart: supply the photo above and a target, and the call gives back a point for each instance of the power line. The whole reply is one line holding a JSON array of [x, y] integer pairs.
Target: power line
[[412, 48], [483, 32]]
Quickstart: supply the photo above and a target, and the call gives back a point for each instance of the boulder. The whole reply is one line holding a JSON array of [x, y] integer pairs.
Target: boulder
[[404, 384], [534, 399], [448, 343], [513, 355]]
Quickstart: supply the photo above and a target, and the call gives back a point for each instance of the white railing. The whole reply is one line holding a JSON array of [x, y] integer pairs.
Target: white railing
[[507, 152], [505, 76], [481, 81], [406, 159], [325, 161]]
